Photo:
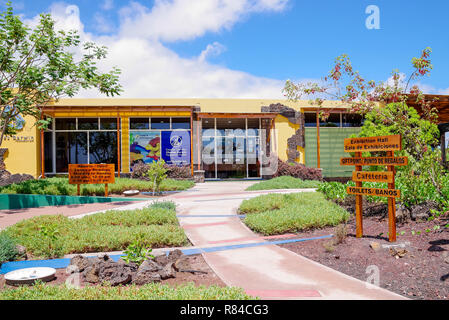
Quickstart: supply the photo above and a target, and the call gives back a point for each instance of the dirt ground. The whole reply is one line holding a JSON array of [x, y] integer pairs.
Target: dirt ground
[[197, 263], [421, 273]]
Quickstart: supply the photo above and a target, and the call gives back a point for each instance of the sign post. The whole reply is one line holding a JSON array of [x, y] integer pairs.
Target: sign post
[[381, 143], [91, 174]]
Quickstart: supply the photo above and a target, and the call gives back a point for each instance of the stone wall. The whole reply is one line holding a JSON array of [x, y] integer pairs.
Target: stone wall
[[294, 117]]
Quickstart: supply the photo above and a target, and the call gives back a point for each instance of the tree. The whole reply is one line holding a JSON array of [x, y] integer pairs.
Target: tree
[[345, 84], [38, 66]]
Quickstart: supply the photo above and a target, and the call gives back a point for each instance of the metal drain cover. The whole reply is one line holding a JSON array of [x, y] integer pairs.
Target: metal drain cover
[[29, 275]]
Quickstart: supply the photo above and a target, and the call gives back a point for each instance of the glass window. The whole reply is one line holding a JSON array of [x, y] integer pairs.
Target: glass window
[[108, 123], [87, 123], [139, 123], [253, 127], [180, 123], [103, 147], [352, 120], [332, 121], [71, 147], [208, 126], [65, 123], [160, 123]]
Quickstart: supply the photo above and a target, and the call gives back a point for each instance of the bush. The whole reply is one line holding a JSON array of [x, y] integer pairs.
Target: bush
[[169, 205], [173, 172], [297, 170], [8, 250], [156, 173]]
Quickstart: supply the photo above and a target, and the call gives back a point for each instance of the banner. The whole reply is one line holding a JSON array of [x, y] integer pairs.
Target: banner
[[144, 146], [176, 147]]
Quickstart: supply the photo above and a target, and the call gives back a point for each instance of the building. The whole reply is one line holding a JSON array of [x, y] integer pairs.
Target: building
[[227, 138]]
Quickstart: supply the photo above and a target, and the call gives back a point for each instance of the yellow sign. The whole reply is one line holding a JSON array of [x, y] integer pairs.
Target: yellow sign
[[374, 176], [91, 173], [391, 193], [382, 143], [374, 161]]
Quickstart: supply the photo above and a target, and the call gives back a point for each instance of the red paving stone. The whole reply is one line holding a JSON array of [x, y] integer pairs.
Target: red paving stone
[[10, 217]]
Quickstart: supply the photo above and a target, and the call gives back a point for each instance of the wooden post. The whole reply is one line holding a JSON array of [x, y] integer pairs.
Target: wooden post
[[391, 206], [106, 190], [318, 156], [119, 152], [358, 204], [191, 142], [78, 190], [42, 155], [198, 146]]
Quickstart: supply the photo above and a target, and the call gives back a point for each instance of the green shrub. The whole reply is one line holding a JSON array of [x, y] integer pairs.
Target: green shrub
[[170, 205], [284, 182], [156, 173], [281, 213], [8, 250], [153, 291]]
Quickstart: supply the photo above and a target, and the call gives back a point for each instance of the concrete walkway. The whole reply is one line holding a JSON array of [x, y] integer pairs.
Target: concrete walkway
[[269, 271]]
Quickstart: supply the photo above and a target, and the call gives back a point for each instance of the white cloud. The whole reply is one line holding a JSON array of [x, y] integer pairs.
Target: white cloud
[[151, 70], [107, 5], [213, 49], [102, 24], [188, 19]]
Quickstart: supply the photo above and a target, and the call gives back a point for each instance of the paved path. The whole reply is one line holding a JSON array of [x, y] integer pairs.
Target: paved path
[[268, 271]]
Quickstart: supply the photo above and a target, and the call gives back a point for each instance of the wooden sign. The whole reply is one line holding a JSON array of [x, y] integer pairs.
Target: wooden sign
[[373, 176], [374, 161], [91, 174], [383, 143], [394, 193]]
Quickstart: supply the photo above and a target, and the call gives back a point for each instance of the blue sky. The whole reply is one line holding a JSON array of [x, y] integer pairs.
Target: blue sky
[[248, 48]]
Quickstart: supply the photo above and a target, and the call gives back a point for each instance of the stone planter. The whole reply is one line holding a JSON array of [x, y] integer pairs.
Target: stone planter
[[198, 176]]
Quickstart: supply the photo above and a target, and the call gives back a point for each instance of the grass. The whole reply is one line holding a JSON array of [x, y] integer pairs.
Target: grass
[[188, 291], [284, 182], [61, 186], [280, 213], [56, 235]]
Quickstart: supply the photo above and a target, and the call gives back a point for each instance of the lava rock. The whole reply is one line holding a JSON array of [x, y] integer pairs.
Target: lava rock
[[422, 211], [144, 277], [182, 264], [149, 266], [167, 272], [115, 273], [402, 214], [80, 262]]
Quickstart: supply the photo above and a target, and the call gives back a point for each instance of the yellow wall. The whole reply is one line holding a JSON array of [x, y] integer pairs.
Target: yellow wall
[[23, 156], [284, 130]]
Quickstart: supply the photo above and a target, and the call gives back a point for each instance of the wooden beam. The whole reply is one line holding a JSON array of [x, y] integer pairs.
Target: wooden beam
[[237, 115], [358, 204], [42, 155], [191, 142], [119, 153]]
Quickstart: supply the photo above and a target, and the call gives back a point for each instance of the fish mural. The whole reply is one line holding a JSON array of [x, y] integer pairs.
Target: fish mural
[[144, 147]]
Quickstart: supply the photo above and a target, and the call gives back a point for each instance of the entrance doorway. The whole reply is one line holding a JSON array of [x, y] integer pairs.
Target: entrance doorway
[[231, 148]]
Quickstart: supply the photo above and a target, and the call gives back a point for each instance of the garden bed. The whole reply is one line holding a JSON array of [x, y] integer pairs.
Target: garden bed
[[281, 213], [61, 186], [200, 285], [421, 273], [57, 235]]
